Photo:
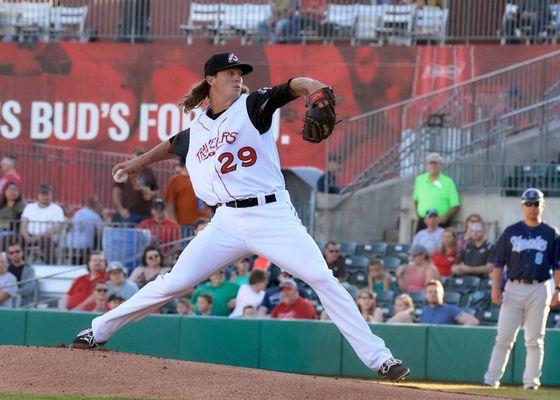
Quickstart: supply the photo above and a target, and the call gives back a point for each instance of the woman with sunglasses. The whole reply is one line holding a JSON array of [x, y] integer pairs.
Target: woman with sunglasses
[[152, 266], [531, 250]]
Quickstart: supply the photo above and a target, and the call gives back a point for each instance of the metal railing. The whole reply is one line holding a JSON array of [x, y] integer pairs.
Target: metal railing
[[258, 21], [394, 140], [73, 173]]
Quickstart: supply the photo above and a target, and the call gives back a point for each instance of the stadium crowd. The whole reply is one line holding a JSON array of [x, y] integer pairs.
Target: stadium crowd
[[442, 277]]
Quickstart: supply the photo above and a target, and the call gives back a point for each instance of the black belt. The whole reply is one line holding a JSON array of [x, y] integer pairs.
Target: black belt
[[253, 201], [526, 281]]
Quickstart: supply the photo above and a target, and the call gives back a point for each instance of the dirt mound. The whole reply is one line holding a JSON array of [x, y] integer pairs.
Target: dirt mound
[[104, 373]]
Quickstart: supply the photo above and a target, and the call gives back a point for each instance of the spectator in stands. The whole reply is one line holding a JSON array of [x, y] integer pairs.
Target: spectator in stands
[[367, 306], [414, 277], [42, 221], [272, 295], [334, 260], [241, 274], [85, 229], [251, 294], [327, 183], [199, 225], [163, 229], [99, 301], [222, 292], [378, 280], [184, 307], [249, 312], [182, 204], [118, 284], [308, 17], [446, 256], [434, 190], [22, 271], [11, 208], [204, 305], [9, 173], [114, 301], [431, 236], [133, 198], [81, 291], [291, 304], [152, 266], [533, 17], [476, 257], [274, 29], [438, 313], [404, 310], [430, 3], [8, 284], [463, 236]]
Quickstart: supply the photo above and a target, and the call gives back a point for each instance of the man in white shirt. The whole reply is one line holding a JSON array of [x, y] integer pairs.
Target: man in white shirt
[[8, 283], [430, 237], [251, 294], [41, 222]]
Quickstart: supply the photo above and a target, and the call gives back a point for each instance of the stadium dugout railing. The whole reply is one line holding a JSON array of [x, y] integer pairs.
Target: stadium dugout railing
[[255, 21], [467, 119]]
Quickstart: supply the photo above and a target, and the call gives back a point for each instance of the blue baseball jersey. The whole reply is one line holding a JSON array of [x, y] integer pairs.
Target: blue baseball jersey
[[529, 253]]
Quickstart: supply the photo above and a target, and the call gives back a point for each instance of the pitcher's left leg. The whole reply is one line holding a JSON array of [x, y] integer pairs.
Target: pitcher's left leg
[[287, 244], [536, 313]]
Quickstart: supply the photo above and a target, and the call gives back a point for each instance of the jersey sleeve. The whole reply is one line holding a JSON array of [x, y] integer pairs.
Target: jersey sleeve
[[180, 144], [500, 251], [262, 104], [556, 251]]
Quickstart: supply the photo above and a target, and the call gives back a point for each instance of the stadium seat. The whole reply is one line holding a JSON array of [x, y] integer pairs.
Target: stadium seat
[[488, 317], [398, 250], [470, 311], [464, 284], [479, 300], [430, 24], [553, 320], [485, 284], [356, 263], [348, 248], [453, 298], [552, 179], [371, 249], [357, 278], [125, 245], [391, 263], [385, 298], [418, 298]]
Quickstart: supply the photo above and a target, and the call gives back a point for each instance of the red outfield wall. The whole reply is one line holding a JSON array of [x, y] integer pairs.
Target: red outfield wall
[[116, 97]]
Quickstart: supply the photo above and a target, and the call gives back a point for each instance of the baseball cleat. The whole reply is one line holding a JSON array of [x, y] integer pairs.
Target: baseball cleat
[[85, 340], [394, 370]]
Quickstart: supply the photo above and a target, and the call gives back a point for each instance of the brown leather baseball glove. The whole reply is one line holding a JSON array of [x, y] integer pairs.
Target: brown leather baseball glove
[[320, 117]]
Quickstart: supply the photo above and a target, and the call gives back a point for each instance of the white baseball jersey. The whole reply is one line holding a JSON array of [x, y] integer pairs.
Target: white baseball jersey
[[234, 156]]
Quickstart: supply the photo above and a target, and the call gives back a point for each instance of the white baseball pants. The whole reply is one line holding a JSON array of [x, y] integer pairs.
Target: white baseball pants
[[273, 231], [526, 305]]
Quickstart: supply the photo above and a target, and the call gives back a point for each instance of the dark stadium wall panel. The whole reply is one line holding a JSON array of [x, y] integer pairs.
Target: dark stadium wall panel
[[117, 96], [13, 325]]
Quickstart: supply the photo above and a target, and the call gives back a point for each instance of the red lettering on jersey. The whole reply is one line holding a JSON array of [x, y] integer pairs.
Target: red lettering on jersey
[[247, 155], [231, 138]]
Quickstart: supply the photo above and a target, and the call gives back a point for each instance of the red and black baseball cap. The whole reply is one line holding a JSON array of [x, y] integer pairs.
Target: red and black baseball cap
[[223, 61]]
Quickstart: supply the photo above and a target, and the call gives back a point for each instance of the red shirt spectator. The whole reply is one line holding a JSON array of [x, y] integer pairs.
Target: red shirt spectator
[[81, 290], [291, 305], [164, 230], [9, 174], [100, 301], [446, 256]]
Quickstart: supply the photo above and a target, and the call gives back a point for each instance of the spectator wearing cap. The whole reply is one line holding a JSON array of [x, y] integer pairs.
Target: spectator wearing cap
[[81, 290], [404, 310], [272, 295], [292, 305], [221, 291], [24, 273], [414, 276], [133, 198], [476, 257], [431, 236], [99, 299], [445, 257], [436, 312], [241, 274], [182, 204], [114, 301], [118, 284], [8, 284], [85, 228], [334, 260], [251, 294], [434, 190], [204, 305], [163, 229], [42, 221], [9, 173]]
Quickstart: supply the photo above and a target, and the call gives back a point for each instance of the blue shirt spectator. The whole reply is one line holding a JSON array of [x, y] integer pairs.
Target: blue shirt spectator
[[438, 313], [85, 224]]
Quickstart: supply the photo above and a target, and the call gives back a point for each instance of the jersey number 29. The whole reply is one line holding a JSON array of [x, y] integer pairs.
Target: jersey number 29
[[247, 155]]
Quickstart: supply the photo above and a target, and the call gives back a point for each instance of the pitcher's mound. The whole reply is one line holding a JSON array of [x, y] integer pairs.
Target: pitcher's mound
[[58, 371]]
